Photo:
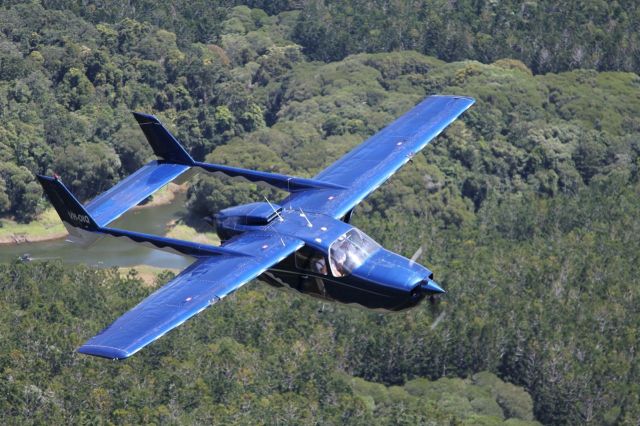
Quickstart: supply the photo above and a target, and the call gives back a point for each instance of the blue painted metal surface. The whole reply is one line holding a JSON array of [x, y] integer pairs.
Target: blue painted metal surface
[[284, 182], [68, 207], [171, 244], [199, 286], [373, 162], [385, 273], [130, 192], [432, 287], [295, 223], [392, 270], [261, 242], [259, 213]]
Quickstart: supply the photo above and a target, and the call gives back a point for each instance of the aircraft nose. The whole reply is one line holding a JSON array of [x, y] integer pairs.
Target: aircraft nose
[[431, 287]]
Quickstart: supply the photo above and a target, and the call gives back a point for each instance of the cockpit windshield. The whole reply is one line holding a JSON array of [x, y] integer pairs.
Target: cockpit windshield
[[349, 251]]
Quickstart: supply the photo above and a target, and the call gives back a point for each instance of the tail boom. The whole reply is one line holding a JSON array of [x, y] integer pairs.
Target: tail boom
[[83, 227], [167, 147]]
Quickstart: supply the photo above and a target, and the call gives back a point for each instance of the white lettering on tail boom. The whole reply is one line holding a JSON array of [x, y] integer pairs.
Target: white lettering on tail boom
[[79, 217]]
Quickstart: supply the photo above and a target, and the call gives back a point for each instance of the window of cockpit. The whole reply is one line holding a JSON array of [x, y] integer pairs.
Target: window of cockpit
[[311, 260], [350, 251]]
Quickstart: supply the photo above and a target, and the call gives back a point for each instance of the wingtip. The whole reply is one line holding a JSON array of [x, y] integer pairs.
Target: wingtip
[[469, 99], [104, 352]]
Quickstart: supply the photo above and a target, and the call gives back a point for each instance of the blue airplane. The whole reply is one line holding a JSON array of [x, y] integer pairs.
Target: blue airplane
[[304, 242]]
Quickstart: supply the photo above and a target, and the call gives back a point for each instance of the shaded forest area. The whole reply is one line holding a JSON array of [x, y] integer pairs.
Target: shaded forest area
[[527, 208]]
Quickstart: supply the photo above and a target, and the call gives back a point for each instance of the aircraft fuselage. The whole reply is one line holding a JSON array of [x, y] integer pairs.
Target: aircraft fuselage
[[337, 262]]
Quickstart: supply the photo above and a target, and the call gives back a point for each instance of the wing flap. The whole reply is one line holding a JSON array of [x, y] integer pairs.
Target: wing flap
[[199, 286]]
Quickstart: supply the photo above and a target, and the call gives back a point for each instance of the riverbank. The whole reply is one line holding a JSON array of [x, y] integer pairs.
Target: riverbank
[[164, 196], [48, 226], [180, 231]]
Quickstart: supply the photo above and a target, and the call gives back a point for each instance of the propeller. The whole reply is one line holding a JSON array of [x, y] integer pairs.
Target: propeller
[[432, 288]]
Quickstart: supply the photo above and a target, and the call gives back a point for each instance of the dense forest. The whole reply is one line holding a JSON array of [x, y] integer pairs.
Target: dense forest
[[546, 35], [265, 357], [527, 207]]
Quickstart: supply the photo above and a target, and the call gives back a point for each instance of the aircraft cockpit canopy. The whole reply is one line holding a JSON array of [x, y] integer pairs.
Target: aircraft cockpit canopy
[[350, 251]]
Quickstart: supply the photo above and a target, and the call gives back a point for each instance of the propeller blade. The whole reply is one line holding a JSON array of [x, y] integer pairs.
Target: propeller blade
[[415, 256], [437, 320]]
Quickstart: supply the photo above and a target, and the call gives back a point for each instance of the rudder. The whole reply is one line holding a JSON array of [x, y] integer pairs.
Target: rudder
[[163, 143], [70, 210]]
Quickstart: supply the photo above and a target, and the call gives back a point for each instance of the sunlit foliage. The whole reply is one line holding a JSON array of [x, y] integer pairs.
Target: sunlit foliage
[[527, 207]]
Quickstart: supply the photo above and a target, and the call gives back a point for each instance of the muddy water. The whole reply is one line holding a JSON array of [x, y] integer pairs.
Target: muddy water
[[111, 251]]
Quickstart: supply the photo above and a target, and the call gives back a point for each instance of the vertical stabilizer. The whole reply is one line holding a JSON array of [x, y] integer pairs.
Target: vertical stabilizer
[[79, 223], [163, 143]]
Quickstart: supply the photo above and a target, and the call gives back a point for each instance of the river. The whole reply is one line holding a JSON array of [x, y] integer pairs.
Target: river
[[113, 251]]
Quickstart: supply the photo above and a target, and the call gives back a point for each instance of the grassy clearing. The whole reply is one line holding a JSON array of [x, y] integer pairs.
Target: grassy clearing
[[147, 273], [180, 231], [48, 226]]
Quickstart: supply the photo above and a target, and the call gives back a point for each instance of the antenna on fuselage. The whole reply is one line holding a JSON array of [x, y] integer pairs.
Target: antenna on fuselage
[[309, 224], [274, 209]]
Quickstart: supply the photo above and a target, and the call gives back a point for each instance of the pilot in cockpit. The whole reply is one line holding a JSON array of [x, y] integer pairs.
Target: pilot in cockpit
[[349, 251], [339, 257]]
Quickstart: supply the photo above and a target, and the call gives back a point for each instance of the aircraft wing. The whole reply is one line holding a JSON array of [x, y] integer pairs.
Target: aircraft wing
[[374, 161], [202, 284]]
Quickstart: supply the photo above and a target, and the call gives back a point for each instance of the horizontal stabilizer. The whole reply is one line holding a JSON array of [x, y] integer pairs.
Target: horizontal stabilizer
[[132, 190]]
